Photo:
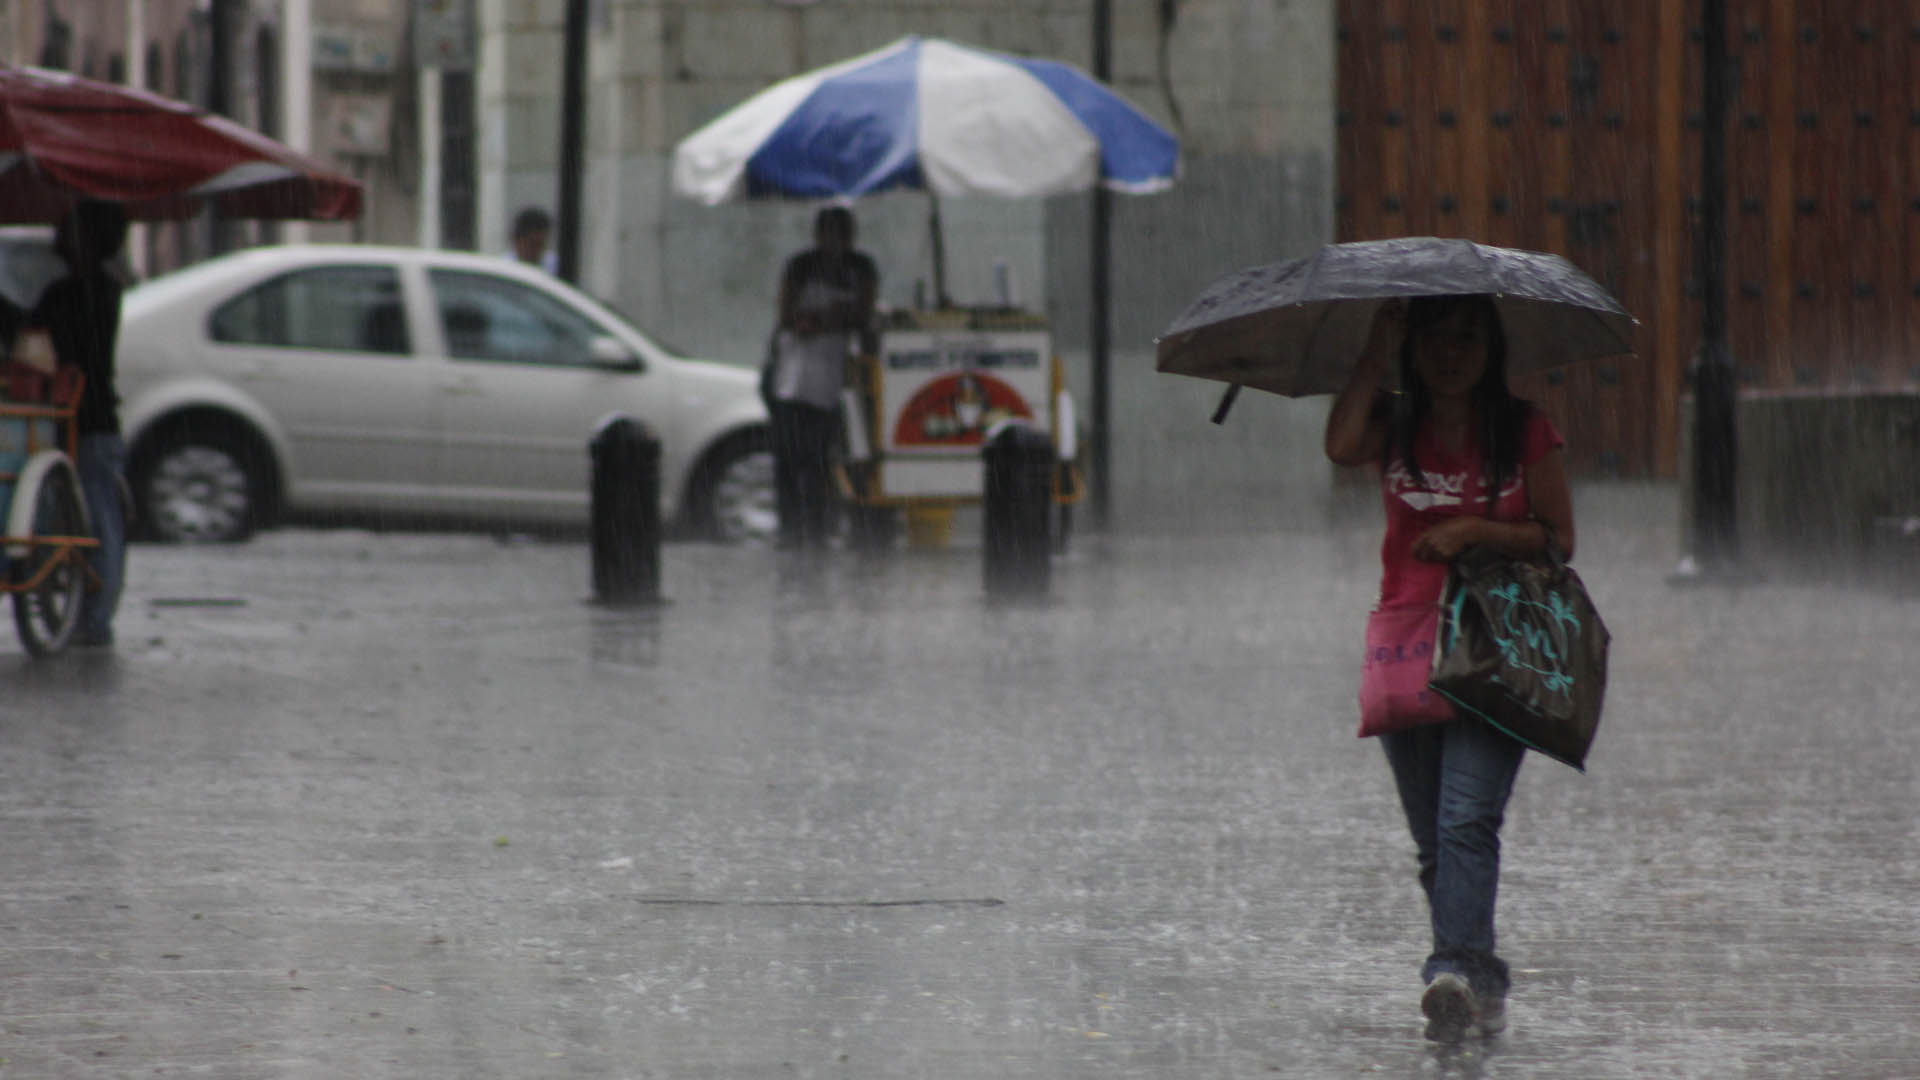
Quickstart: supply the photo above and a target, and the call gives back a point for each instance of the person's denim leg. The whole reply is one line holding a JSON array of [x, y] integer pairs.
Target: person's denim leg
[[102, 459], [1454, 780]]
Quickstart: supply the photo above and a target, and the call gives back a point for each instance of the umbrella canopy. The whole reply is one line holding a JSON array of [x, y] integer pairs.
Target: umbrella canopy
[[1295, 328], [926, 114], [64, 138]]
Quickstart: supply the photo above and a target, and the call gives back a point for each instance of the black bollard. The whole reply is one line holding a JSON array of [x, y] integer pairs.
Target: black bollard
[[1018, 510], [626, 513]]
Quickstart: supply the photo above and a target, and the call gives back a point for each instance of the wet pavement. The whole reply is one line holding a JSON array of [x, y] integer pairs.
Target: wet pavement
[[355, 805]]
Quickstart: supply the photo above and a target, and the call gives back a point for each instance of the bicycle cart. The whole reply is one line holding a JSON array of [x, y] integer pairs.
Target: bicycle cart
[[43, 553]]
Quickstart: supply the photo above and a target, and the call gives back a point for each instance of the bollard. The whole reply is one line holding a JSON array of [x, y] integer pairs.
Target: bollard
[[625, 518], [1018, 509]]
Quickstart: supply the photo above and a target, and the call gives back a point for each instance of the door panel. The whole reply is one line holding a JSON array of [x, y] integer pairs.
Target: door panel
[[522, 395], [326, 351]]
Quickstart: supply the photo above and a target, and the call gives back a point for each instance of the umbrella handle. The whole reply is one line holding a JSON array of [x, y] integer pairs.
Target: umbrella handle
[[1226, 403]]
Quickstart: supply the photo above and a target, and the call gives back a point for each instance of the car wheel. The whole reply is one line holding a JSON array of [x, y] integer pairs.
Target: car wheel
[[732, 501], [197, 486]]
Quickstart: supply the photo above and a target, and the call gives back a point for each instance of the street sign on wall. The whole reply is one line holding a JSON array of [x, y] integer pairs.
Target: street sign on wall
[[443, 34]]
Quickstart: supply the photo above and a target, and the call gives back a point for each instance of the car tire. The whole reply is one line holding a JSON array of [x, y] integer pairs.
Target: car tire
[[730, 497], [201, 484]]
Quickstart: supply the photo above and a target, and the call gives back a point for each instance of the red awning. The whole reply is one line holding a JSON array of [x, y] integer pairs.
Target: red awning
[[64, 138]]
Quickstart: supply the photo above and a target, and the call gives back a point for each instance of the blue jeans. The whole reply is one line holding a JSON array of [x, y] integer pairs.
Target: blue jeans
[[1454, 779], [103, 455]]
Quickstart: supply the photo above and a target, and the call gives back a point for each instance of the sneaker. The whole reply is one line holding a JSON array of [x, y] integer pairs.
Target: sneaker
[[1448, 1007], [91, 639], [1491, 1019]]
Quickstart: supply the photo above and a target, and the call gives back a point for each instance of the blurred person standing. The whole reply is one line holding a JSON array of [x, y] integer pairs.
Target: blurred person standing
[[827, 296], [533, 239], [80, 313]]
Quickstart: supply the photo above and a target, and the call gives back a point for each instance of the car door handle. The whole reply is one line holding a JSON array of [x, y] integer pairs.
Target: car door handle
[[467, 387]]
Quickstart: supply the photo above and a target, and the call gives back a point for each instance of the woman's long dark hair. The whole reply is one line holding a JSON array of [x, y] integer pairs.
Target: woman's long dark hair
[[1501, 417]]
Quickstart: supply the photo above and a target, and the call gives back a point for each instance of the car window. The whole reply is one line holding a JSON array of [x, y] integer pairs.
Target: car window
[[330, 307], [667, 345], [492, 318]]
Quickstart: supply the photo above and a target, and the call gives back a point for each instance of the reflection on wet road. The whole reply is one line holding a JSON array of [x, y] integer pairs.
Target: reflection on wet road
[[408, 806]]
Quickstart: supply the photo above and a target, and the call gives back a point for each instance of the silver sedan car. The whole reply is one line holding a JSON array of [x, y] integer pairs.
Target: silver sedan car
[[401, 384]]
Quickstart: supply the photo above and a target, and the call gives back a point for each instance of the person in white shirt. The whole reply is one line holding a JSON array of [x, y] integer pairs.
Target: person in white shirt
[[827, 296]]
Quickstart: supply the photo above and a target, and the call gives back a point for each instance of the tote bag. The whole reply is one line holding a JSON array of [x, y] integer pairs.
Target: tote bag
[[1520, 645], [1394, 694]]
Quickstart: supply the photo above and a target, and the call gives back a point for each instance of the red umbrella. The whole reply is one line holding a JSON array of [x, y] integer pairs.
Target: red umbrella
[[63, 138]]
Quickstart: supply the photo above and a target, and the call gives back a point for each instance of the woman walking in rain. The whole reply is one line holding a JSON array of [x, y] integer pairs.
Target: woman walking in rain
[[1462, 463]]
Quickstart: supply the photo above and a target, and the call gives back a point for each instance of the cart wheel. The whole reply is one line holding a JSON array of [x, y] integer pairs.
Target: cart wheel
[[47, 614]]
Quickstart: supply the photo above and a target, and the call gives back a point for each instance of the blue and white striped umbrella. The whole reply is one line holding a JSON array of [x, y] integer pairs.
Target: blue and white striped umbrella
[[926, 114]]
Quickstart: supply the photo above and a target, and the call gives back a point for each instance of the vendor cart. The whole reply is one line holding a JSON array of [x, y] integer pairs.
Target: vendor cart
[[919, 410]]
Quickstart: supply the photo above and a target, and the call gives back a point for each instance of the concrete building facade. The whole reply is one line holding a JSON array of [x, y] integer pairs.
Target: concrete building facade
[[350, 72]]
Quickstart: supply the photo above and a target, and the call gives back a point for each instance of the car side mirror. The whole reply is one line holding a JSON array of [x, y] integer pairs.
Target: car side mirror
[[608, 352]]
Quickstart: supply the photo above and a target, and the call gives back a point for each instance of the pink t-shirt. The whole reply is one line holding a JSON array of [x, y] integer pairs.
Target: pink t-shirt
[[1453, 486]]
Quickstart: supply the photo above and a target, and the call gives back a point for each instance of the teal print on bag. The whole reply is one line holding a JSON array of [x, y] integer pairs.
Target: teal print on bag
[[1531, 640]]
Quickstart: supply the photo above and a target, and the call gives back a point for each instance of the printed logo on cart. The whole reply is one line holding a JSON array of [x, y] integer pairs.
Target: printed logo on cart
[[957, 410]]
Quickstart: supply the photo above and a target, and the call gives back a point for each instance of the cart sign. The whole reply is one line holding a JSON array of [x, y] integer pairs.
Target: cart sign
[[942, 391]]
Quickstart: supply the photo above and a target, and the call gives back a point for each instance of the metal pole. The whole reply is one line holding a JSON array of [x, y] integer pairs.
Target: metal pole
[[220, 57], [1715, 533], [1100, 446], [573, 98], [938, 233], [456, 160], [220, 61]]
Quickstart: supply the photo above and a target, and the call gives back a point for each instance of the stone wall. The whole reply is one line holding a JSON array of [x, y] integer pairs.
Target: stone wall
[[1252, 82], [1825, 483]]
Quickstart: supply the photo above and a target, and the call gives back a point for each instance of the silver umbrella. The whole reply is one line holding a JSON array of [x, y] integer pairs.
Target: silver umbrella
[[1295, 328]]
